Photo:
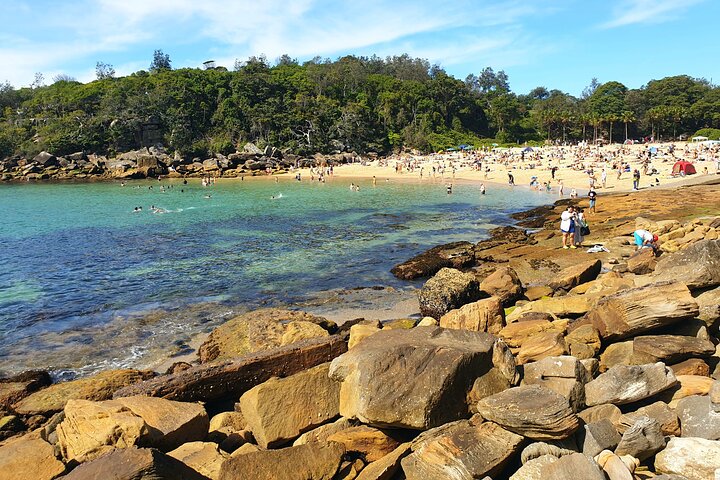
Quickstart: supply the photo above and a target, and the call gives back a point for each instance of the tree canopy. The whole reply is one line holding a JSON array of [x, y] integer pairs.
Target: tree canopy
[[362, 104]]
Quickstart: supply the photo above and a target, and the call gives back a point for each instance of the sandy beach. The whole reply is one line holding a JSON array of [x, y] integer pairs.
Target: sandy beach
[[574, 167]]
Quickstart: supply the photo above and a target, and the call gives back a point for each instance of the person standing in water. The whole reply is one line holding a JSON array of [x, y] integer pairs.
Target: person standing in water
[[482, 189]]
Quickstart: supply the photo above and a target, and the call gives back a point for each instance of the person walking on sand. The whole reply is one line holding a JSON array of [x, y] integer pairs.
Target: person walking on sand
[[636, 179], [567, 227], [511, 179], [592, 196], [603, 178], [560, 189]]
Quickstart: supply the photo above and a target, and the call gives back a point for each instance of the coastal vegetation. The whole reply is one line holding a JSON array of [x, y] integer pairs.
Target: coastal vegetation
[[361, 104]]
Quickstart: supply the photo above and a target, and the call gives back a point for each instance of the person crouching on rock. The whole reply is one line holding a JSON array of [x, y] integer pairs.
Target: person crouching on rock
[[643, 239], [567, 227]]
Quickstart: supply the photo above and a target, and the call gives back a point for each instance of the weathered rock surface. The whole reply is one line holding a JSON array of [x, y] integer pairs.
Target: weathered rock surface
[[639, 310], [462, 450], [709, 306], [260, 330], [595, 437], [134, 464], [600, 412], [643, 440], [361, 331], [446, 290], [370, 443], [669, 348], [542, 345], [516, 334], [452, 255], [386, 467], [97, 387], [658, 411], [697, 266], [698, 417], [695, 458], [626, 384], [584, 342], [575, 275], [29, 458], [532, 411], [532, 470], [321, 433], [564, 375], [418, 378], [504, 284], [642, 262], [17, 387], [91, 429], [485, 315], [203, 457], [691, 366], [311, 461], [564, 306], [281, 409], [573, 467], [223, 381]]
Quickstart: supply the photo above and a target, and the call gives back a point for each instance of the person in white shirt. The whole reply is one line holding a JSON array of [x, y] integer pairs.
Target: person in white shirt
[[643, 238], [567, 227]]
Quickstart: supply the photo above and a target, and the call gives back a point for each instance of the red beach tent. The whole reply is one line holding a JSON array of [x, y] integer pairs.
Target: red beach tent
[[683, 167]]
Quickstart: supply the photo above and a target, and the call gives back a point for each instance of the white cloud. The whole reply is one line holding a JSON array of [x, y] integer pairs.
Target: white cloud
[[95, 29], [631, 12]]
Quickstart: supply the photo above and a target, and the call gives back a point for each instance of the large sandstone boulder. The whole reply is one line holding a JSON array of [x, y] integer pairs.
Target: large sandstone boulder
[[97, 387], [446, 290], [639, 310], [323, 432], [204, 457], [575, 275], [462, 450], [565, 375], [516, 334], [281, 409], [91, 429], [371, 444], [427, 264], [699, 417], [564, 306], [418, 378], [29, 458], [626, 384], [584, 342], [260, 330], [658, 411], [504, 284], [697, 266], [228, 380], [669, 348], [532, 411], [642, 262], [694, 458], [485, 315], [311, 461], [134, 464], [386, 467], [643, 440], [573, 467], [542, 345]]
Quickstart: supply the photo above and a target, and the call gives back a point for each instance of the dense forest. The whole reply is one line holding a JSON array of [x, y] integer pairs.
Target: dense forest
[[356, 104]]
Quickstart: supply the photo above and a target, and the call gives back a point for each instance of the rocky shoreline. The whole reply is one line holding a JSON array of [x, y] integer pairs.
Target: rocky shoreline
[[153, 162], [531, 362]]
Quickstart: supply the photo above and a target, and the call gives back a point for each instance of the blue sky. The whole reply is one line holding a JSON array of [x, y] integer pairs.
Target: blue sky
[[554, 43]]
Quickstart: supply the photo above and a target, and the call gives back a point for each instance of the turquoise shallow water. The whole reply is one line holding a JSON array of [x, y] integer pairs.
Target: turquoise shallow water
[[86, 283]]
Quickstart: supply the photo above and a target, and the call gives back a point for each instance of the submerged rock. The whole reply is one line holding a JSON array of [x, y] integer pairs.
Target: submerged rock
[[427, 264]]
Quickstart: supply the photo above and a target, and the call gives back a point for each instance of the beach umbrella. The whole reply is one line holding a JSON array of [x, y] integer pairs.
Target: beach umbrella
[[527, 149]]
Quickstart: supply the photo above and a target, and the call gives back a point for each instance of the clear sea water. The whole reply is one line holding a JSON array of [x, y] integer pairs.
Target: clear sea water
[[86, 283]]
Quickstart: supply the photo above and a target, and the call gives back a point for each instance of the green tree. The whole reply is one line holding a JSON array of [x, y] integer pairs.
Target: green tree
[[161, 61]]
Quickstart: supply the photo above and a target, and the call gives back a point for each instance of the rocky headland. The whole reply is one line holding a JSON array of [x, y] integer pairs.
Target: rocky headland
[[154, 161], [531, 362]]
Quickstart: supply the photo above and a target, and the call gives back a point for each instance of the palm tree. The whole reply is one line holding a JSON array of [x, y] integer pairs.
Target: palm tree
[[610, 118], [627, 117]]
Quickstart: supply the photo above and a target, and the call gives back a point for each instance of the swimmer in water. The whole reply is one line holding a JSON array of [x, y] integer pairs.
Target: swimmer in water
[[482, 189], [208, 196]]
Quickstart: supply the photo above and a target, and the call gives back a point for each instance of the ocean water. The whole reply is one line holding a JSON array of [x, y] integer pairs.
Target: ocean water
[[86, 283]]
